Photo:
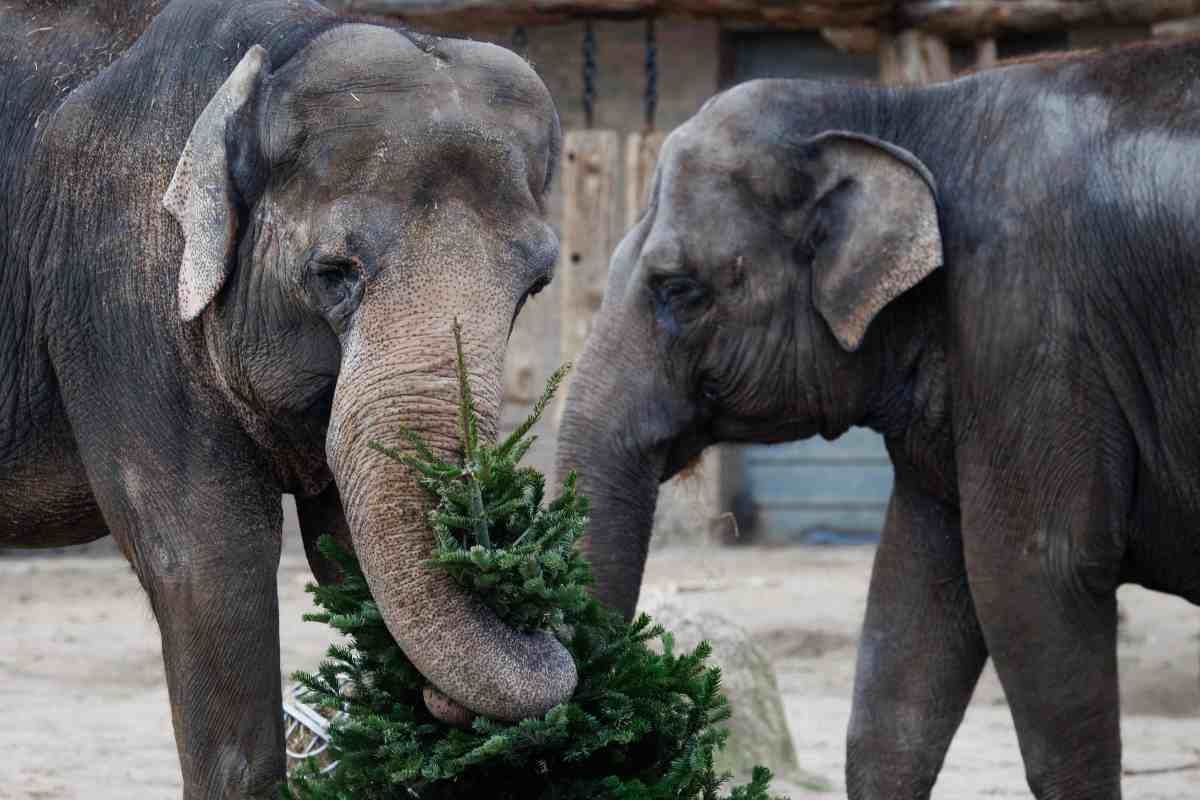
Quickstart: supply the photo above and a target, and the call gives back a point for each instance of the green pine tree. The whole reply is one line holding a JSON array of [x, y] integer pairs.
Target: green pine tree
[[643, 724]]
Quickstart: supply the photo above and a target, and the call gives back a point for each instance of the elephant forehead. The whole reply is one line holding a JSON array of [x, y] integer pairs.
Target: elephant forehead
[[721, 164], [336, 159], [376, 223], [390, 71], [367, 106], [734, 144], [727, 194], [717, 210]]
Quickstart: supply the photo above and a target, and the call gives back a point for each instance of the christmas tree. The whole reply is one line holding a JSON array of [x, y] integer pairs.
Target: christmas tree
[[644, 721]]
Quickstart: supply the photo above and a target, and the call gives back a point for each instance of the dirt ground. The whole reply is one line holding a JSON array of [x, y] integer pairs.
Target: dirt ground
[[86, 716]]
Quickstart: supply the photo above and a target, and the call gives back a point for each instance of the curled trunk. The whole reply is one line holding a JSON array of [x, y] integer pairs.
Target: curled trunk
[[458, 643]]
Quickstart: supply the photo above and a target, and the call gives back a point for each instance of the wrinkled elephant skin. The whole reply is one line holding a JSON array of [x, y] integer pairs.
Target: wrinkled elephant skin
[[233, 240], [1001, 275]]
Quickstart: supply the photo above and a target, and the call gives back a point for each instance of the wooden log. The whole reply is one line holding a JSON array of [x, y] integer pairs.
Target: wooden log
[[590, 172], [641, 157], [974, 19], [1103, 37], [856, 41], [954, 19], [914, 57], [471, 14], [1188, 26], [986, 54]]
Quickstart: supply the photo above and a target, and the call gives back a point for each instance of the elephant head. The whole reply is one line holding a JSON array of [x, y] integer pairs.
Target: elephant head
[[340, 210], [742, 307]]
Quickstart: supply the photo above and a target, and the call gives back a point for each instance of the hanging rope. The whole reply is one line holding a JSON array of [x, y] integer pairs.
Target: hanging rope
[[650, 97], [589, 74], [520, 41]]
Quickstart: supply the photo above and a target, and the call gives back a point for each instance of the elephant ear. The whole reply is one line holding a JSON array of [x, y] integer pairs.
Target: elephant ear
[[875, 230], [217, 175]]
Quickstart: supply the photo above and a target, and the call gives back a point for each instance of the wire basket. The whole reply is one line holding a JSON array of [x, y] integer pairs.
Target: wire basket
[[306, 731]]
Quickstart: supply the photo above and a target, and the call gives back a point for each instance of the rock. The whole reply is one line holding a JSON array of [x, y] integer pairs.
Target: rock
[[758, 730]]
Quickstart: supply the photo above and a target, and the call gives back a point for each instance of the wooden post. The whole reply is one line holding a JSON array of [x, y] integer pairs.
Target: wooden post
[[641, 157], [914, 57], [986, 54], [590, 170]]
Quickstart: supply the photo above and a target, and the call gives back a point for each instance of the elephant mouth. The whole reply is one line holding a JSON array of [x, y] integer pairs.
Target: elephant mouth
[[772, 430], [683, 456]]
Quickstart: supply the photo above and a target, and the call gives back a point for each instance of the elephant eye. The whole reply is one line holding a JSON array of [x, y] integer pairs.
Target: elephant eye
[[538, 285], [335, 276], [535, 288], [678, 294], [335, 285], [332, 280], [677, 300]]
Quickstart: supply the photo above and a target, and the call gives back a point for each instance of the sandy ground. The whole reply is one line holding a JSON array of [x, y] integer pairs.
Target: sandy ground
[[85, 712]]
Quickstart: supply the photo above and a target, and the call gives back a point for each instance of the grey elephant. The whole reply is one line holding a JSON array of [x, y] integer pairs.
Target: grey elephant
[[1001, 275], [233, 240]]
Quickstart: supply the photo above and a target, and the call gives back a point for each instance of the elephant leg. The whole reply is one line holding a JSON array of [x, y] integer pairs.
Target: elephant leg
[[220, 639], [322, 515], [1055, 650], [214, 595], [1043, 559], [202, 527], [920, 655]]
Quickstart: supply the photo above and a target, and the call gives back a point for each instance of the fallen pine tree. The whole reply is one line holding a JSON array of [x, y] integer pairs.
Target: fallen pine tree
[[643, 723]]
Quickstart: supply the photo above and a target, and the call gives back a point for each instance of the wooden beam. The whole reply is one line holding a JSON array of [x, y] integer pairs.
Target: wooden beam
[[986, 54], [448, 15], [641, 157], [591, 162], [849, 22], [975, 19], [913, 57], [857, 41], [1188, 26]]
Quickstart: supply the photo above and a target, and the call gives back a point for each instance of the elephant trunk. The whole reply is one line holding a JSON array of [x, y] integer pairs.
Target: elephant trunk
[[613, 434], [456, 642]]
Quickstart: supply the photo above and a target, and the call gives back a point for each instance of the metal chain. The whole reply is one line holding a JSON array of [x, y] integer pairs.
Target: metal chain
[[650, 98], [589, 73], [520, 41]]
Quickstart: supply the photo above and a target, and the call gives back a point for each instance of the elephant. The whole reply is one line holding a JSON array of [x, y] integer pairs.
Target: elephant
[[234, 239], [1000, 274]]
